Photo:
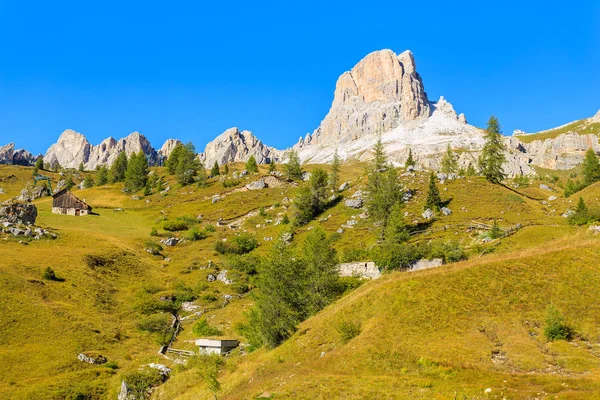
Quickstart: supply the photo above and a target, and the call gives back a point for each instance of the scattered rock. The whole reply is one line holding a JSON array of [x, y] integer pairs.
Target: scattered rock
[[287, 237], [257, 185], [222, 276], [91, 358], [428, 214], [172, 241], [552, 198], [344, 186], [340, 231], [18, 212], [568, 213], [354, 203], [544, 187], [306, 176], [446, 211], [211, 278], [595, 228], [215, 198]]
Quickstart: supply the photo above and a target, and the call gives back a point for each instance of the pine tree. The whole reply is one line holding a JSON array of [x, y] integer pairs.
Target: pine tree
[[102, 176], [272, 166], [570, 188], [591, 168], [187, 164], [471, 170], [226, 169], [396, 231], [136, 174], [88, 182], [118, 168], [251, 165], [81, 167], [410, 162], [495, 232], [492, 155], [380, 157], [311, 199], [449, 164], [69, 183], [293, 168], [581, 207], [39, 163], [201, 176], [335, 171], [321, 271], [434, 201], [173, 159], [215, 170]]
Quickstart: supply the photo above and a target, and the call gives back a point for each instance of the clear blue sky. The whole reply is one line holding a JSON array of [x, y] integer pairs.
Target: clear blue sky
[[190, 70]]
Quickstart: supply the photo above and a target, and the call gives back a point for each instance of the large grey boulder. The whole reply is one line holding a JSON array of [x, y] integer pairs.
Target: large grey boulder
[[256, 185], [428, 214], [354, 203], [18, 212]]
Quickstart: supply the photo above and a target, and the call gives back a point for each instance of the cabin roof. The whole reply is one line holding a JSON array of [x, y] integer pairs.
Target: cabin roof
[[66, 199]]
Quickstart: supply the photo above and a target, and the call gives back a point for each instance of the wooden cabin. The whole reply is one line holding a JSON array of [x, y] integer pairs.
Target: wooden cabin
[[65, 202]]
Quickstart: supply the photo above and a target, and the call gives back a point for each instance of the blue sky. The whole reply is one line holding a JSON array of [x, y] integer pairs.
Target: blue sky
[[190, 70]]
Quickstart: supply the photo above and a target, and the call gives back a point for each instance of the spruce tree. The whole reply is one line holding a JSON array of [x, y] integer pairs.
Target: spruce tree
[[471, 171], [272, 166], [591, 168], [495, 232], [226, 169], [39, 163], [69, 183], [410, 162], [449, 164], [81, 167], [251, 165], [118, 168], [492, 155], [380, 157], [201, 176], [186, 166], [320, 271], [102, 176], [311, 199], [293, 168], [581, 207], [173, 159], [215, 170], [335, 171], [136, 174], [396, 231], [88, 182], [434, 201]]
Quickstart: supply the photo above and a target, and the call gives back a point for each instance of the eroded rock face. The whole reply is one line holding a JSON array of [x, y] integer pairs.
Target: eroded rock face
[[234, 145], [72, 149], [167, 148], [380, 92], [10, 156], [6, 153], [18, 212]]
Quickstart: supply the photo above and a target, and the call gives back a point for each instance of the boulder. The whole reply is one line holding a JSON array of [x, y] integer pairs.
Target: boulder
[[172, 241], [306, 176], [446, 211], [222, 277], [428, 214], [344, 186], [91, 358], [18, 212], [545, 187], [256, 185], [552, 198], [354, 203]]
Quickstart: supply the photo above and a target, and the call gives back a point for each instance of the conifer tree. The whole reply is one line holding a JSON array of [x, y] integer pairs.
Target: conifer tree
[[293, 168], [434, 201], [272, 166], [396, 231], [591, 168], [118, 168], [173, 159], [186, 164], [471, 170], [449, 164], [380, 157], [215, 170], [136, 174], [251, 165], [383, 187], [410, 162], [495, 232], [88, 182], [69, 183], [102, 176], [39, 163], [492, 155], [581, 207], [321, 271], [81, 167], [226, 169], [335, 171], [311, 199]]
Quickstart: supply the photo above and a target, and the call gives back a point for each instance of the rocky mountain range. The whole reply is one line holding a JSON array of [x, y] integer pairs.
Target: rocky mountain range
[[383, 95]]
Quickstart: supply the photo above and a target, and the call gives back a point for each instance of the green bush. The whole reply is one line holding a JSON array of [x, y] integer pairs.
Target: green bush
[[159, 325], [210, 228], [397, 255], [355, 254], [112, 365], [140, 382], [195, 234], [246, 263], [175, 225], [153, 232], [348, 330], [241, 244], [202, 328], [153, 247], [208, 298], [556, 328], [228, 183], [448, 250], [49, 274]]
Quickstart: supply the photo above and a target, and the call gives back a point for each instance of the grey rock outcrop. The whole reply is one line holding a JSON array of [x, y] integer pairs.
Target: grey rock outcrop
[[10, 156], [167, 147], [72, 149], [18, 212], [234, 145]]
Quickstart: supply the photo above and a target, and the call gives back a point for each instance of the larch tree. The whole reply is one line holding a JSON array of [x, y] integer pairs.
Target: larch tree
[[492, 155]]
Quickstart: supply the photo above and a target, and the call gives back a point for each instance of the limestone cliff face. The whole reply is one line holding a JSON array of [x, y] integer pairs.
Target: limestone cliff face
[[379, 93], [234, 145], [167, 148], [10, 156], [72, 149], [6, 153]]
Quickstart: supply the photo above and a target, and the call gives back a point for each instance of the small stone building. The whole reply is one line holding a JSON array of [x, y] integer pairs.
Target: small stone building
[[65, 202], [215, 346]]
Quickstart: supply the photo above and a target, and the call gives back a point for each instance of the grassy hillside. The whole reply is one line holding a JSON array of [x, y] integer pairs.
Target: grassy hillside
[[582, 127], [423, 334]]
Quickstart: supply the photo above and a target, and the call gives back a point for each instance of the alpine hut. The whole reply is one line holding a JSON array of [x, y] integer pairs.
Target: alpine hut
[[65, 202]]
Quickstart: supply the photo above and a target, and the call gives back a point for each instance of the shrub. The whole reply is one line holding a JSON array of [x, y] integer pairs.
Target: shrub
[[355, 254], [450, 251], [208, 298], [246, 263], [521, 180], [153, 232], [153, 247], [140, 382], [556, 328], [159, 325], [227, 183], [195, 234], [348, 330], [49, 274], [202, 328], [112, 365], [285, 220], [210, 228], [96, 261], [397, 255], [175, 225], [261, 211], [241, 244]]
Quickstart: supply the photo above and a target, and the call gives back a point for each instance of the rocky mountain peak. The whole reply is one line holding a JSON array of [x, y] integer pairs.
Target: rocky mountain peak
[[167, 147], [444, 107], [234, 145], [596, 118]]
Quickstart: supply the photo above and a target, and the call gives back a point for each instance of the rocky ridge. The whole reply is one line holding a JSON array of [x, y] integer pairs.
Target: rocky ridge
[[10, 156]]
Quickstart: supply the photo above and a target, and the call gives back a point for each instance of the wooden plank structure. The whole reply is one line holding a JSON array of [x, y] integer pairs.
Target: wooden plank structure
[[65, 202]]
